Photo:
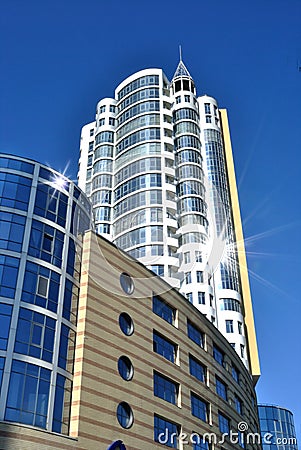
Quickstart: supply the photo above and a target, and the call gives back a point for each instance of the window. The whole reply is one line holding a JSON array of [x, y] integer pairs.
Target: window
[[28, 394], [197, 369], [111, 121], [91, 145], [11, 231], [92, 132], [164, 310], [198, 256], [188, 277], [102, 109], [221, 388], [229, 326], [187, 98], [239, 325], [42, 287], [230, 304], [208, 119], [189, 297], [223, 423], [126, 324], [157, 269], [101, 122], [207, 108], [8, 275], [201, 298], [5, 318], [200, 444], [125, 415], [195, 334], [242, 350], [238, 404], [199, 276], [112, 108], [178, 99], [199, 408], [125, 368], [218, 355], [235, 374], [165, 388], [127, 283], [166, 432], [187, 257], [210, 299], [164, 347]]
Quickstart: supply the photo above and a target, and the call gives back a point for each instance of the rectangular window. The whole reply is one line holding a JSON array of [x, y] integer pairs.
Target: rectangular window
[[199, 408], [187, 98], [196, 369], [112, 108], [42, 287], [195, 334], [5, 318], [47, 243], [242, 350], [188, 277], [239, 325], [218, 355], [210, 299], [165, 432], [235, 374], [187, 257], [111, 121], [238, 405], [189, 297], [164, 310], [166, 388], [92, 132], [208, 119], [199, 276], [201, 298], [223, 423], [101, 122], [164, 347], [200, 443], [91, 144], [178, 99], [229, 326], [221, 388], [207, 108], [198, 256]]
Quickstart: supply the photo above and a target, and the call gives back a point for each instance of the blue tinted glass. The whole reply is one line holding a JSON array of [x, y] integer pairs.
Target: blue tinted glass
[[164, 347], [163, 310], [196, 369], [2, 361]]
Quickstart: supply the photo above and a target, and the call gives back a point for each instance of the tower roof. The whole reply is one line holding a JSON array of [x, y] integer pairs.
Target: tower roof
[[181, 71]]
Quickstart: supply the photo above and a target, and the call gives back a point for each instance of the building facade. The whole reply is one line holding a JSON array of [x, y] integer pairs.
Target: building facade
[[277, 428], [157, 165], [42, 218], [149, 370]]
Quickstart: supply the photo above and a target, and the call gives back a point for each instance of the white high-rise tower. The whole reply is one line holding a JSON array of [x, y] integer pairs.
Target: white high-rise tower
[[157, 164]]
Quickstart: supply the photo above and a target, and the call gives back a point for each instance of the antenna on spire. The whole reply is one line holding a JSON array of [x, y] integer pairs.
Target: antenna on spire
[[180, 52]]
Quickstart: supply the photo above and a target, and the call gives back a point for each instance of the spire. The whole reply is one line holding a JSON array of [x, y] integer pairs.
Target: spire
[[181, 70]]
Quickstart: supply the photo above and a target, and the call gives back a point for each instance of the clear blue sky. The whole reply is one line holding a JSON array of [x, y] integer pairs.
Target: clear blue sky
[[59, 57]]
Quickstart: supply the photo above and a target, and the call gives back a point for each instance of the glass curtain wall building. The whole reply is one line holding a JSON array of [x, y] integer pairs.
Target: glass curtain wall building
[[157, 164], [42, 218], [277, 428]]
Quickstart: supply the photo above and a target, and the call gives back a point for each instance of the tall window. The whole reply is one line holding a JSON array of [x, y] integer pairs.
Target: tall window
[[164, 310], [166, 432], [218, 355], [164, 347], [221, 388], [199, 276], [235, 374], [165, 388], [238, 404], [229, 326], [188, 277], [197, 369], [201, 298], [195, 334], [199, 408], [223, 423]]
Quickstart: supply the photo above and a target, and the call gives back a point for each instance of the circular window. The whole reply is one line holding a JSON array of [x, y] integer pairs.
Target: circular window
[[126, 324], [125, 415], [126, 283], [125, 368]]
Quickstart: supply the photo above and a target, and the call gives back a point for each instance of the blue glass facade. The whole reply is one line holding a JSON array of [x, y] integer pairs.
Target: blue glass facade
[[277, 428], [42, 217]]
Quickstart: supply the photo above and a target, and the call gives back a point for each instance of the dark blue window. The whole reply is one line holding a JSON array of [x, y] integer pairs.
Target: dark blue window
[[62, 401], [28, 394], [223, 423], [164, 347], [221, 388], [238, 405], [125, 415], [166, 432], [70, 300], [200, 444], [16, 164], [46, 243], [41, 286], [14, 191], [67, 345], [11, 231], [197, 369], [235, 374], [126, 324], [8, 276], [5, 318], [199, 408], [218, 355], [165, 388], [162, 309], [195, 334], [51, 204], [35, 335]]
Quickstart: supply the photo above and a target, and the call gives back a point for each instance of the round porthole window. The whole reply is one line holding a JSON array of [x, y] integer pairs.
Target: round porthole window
[[125, 368], [125, 415], [126, 324], [127, 283]]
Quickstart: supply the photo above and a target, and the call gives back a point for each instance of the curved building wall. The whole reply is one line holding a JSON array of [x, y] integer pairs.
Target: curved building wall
[[42, 218], [277, 428]]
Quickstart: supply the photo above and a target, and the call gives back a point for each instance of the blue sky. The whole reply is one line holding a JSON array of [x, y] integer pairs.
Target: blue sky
[[59, 58]]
